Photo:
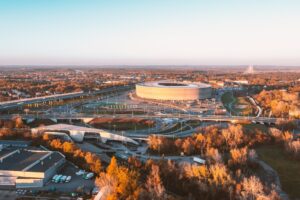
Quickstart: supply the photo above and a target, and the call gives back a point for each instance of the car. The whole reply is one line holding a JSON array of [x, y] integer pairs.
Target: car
[[54, 177], [68, 179], [95, 190], [74, 194], [80, 172], [88, 176], [58, 178], [21, 192], [63, 179]]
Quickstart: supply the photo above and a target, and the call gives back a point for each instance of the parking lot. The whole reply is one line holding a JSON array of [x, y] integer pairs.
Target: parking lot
[[8, 194], [77, 183]]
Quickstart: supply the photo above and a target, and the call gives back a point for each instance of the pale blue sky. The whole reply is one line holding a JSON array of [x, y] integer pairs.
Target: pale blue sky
[[137, 32]]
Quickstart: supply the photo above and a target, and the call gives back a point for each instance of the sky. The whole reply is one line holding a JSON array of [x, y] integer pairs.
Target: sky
[[150, 32]]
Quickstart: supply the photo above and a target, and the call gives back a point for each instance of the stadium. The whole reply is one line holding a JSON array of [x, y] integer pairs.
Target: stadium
[[173, 91]]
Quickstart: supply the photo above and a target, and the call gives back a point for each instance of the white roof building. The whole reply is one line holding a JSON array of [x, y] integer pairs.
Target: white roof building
[[78, 133]]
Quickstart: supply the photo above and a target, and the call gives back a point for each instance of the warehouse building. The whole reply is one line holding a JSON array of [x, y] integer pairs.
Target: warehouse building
[[25, 168], [14, 143]]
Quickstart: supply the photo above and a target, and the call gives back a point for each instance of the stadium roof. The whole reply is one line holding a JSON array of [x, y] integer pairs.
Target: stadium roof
[[175, 84]]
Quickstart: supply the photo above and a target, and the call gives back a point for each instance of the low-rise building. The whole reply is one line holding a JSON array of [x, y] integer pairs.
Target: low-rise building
[[80, 133], [24, 168], [14, 143]]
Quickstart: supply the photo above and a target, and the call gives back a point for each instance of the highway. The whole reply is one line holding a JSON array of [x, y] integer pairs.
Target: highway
[[79, 116], [85, 117], [21, 102]]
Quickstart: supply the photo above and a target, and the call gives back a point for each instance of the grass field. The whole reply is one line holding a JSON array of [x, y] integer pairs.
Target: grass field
[[287, 168], [227, 98], [236, 105]]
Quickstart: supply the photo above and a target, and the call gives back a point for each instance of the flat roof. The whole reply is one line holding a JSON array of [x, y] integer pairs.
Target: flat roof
[[48, 162], [19, 161], [4, 152], [15, 142], [35, 161]]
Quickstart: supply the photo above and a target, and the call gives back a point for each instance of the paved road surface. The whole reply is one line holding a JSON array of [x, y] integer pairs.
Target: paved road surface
[[8, 195]]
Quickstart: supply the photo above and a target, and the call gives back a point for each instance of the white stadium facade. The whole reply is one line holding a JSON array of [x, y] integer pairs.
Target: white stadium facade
[[173, 91]]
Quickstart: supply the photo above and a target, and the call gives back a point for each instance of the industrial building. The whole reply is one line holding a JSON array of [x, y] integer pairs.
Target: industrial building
[[27, 168], [174, 91], [14, 143]]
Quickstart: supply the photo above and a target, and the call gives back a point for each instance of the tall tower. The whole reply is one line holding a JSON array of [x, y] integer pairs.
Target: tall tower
[[249, 70]]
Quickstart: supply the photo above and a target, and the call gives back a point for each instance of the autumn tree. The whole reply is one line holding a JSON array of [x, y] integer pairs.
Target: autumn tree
[[252, 188], [119, 182], [219, 175], [233, 135], [154, 184], [238, 156]]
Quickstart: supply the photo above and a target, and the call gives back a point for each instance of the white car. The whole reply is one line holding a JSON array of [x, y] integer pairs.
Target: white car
[[57, 179], [54, 177], [95, 190], [80, 172], [68, 179], [88, 176], [63, 179]]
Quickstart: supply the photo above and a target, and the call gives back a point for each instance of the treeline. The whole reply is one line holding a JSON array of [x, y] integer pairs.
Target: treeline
[[287, 140], [167, 180], [210, 139], [280, 102], [86, 160], [229, 173]]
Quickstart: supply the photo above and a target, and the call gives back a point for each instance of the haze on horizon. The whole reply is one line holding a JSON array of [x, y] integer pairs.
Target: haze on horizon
[[146, 32]]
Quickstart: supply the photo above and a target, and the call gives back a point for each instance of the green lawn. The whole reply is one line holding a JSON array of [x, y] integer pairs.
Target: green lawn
[[227, 98], [228, 101], [231, 103], [287, 168]]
